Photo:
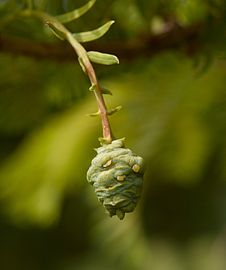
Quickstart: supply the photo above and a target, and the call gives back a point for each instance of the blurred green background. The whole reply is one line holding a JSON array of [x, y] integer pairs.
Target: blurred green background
[[171, 84]]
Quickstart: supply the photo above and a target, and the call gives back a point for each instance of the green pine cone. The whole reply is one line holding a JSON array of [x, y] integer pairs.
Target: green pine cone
[[116, 174]]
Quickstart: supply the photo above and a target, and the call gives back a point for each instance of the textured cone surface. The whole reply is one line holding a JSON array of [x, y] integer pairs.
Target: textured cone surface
[[116, 174]]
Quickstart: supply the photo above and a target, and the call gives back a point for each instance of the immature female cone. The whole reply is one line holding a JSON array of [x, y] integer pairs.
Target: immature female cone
[[116, 174]]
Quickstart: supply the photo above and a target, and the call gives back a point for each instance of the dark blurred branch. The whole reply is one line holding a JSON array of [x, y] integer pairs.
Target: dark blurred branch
[[177, 38]]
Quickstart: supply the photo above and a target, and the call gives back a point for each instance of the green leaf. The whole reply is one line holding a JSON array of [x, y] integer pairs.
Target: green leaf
[[57, 33], [103, 90], [92, 87], [75, 14], [106, 91], [102, 58], [116, 109], [57, 29], [82, 65], [94, 114], [94, 34]]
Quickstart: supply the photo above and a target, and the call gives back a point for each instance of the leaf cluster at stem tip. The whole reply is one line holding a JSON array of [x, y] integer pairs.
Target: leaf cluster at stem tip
[[61, 33]]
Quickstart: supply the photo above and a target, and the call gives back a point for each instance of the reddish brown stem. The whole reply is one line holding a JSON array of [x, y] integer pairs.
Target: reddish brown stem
[[107, 134], [81, 52]]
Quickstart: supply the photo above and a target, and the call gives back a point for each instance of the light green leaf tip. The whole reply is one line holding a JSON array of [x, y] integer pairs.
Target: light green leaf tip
[[116, 109], [82, 65], [92, 87], [75, 14], [102, 58], [103, 90], [94, 34], [94, 114]]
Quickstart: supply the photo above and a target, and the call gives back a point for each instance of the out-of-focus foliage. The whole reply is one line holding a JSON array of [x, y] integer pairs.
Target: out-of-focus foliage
[[173, 115]]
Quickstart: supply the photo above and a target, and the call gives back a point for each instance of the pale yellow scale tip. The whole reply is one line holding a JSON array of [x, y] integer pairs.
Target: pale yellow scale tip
[[121, 177], [136, 168], [108, 163]]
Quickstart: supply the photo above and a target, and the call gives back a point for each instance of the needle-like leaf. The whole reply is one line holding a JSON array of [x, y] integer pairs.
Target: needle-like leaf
[[57, 29], [106, 91], [103, 90], [94, 114], [102, 58], [94, 34], [75, 14], [82, 64], [116, 109]]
